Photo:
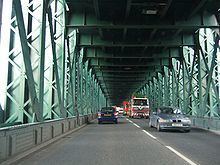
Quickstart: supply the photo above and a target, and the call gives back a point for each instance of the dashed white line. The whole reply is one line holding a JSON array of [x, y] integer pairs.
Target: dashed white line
[[136, 125], [142, 130], [170, 148], [149, 134], [130, 121], [181, 155]]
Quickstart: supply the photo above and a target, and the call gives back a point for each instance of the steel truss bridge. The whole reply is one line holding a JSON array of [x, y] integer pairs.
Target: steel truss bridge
[[64, 59]]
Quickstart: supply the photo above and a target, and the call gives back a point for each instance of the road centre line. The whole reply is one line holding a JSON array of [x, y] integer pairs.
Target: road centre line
[[142, 130], [169, 147], [130, 121], [136, 125], [149, 134], [181, 155]]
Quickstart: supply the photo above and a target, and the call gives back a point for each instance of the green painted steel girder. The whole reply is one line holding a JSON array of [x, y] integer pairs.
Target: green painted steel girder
[[95, 41], [114, 79], [99, 53], [106, 75], [61, 104], [89, 21], [121, 71], [27, 61], [101, 63]]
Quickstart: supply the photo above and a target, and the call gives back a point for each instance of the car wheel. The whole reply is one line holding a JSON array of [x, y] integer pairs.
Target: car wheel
[[158, 127], [99, 122]]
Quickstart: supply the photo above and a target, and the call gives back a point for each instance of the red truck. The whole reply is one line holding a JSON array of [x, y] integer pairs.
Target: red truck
[[139, 107]]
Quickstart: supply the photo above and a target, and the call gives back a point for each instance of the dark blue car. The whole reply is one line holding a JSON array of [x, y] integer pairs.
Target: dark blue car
[[107, 114]]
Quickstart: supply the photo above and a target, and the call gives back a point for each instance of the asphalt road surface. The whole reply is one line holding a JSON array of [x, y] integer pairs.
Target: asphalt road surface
[[130, 142]]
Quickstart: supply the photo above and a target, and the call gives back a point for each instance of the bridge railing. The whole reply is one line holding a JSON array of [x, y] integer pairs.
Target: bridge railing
[[18, 141]]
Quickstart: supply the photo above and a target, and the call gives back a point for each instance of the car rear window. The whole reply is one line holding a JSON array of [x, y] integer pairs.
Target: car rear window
[[168, 110], [107, 109]]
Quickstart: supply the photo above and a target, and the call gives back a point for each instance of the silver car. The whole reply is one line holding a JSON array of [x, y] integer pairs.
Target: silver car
[[169, 118]]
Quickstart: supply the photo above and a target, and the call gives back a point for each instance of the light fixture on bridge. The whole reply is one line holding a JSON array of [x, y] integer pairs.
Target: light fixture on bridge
[[149, 11], [127, 68]]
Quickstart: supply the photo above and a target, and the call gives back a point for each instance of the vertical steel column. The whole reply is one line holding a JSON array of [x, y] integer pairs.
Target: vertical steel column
[[81, 83], [160, 89], [72, 47], [87, 88], [166, 86], [201, 75], [70, 66], [208, 45], [27, 61], [61, 107], [42, 56], [174, 88]]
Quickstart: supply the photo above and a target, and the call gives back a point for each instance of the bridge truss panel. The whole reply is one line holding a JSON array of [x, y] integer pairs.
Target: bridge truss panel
[[45, 75], [191, 83]]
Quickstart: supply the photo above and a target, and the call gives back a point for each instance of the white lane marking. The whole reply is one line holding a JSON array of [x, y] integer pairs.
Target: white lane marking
[[182, 156], [149, 134], [170, 148], [130, 121], [136, 125]]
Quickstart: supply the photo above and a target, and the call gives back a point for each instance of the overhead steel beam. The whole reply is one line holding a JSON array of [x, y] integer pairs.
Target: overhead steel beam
[[205, 20], [119, 83], [128, 8], [198, 7], [100, 63], [119, 76], [96, 6], [119, 79], [122, 88], [98, 53], [164, 11], [165, 44], [162, 26], [87, 40], [128, 88], [149, 4], [121, 71]]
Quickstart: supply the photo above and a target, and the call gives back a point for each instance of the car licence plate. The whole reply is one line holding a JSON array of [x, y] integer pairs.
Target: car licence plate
[[177, 125], [108, 115]]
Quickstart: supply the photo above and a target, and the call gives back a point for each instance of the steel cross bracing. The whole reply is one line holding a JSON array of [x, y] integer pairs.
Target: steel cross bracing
[[121, 38], [42, 73], [193, 83], [63, 64]]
